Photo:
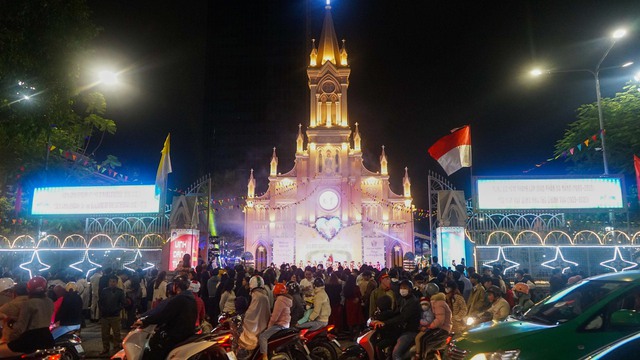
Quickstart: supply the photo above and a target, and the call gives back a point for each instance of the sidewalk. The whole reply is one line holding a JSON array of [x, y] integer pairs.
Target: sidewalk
[[92, 341]]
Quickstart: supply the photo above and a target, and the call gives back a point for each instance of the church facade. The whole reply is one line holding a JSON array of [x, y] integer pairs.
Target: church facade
[[329, 208]]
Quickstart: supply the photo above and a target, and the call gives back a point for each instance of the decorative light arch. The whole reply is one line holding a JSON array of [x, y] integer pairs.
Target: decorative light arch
[[522, 234], [500, 232], [553, 235], [616, 237], [590, 234]]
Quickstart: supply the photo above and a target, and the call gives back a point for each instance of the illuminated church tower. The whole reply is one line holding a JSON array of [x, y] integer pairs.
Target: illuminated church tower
[[329, 208]]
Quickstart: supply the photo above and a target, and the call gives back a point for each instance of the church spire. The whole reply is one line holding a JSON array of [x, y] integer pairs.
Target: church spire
[[274, 164], [313, 57], [357, 140], [328, 49], [383, 163], [300, 141], [251, 187], [406, 183], [343, 53]]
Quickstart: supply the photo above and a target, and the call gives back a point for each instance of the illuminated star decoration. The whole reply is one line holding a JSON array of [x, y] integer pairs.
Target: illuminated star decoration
[[32, 266], [85, 265], [618, 262], [137, 260], [500, 262], [562, 263]]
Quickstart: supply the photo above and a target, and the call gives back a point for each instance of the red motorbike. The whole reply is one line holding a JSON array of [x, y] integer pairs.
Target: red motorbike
[[322, 343]]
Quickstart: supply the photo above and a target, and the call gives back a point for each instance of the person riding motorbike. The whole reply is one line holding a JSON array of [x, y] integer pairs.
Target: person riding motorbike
[[408, 318], [321, 308], [499, 308], [69, 315], [297, 309], [280, 317], [33, 322], [439, 328], [175, 322], [256, 318], [521, 291]]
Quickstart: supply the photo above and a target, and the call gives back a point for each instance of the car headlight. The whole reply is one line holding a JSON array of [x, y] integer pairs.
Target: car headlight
[[497, 355]]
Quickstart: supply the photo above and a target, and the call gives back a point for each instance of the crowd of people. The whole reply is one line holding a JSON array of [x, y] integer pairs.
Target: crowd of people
[[406, 307]]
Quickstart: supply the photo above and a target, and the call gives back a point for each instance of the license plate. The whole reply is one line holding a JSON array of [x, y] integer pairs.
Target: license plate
[[231, 355], [79, 349]]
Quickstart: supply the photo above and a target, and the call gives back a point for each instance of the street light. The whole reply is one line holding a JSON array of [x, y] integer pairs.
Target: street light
[[596, 75]]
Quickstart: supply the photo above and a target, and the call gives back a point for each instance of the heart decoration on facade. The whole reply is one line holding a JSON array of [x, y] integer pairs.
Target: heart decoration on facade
[[328, 227]]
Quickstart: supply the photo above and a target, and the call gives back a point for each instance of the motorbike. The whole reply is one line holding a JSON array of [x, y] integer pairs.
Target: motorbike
[[55, 353], [322, 344], [136, 341], [72, 343], [365, 350]]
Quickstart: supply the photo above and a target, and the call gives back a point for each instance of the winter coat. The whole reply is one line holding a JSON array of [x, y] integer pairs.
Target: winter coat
[[281, 314], [378, 293], [321, 306], [476, 302], [408, 318], [458, 312], [256, 319], [524, 300], [442, 312], [297, 309], [500, 309]]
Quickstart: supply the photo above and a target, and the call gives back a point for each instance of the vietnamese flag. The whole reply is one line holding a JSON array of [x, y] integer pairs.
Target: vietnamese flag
[[636, 164], [453, 151]]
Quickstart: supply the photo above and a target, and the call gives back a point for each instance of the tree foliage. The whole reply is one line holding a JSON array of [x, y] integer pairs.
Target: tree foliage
[[621, 118]]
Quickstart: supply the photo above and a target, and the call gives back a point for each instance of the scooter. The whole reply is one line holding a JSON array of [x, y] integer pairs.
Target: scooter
[[55, 353], [72, 343], [322, 344], [136, 341]]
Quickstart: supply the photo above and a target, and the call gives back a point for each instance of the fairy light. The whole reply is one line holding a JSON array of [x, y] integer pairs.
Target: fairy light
[[504, 259], [135, 261], [84, 264], [560, 262], [29, 265], [617, 261]]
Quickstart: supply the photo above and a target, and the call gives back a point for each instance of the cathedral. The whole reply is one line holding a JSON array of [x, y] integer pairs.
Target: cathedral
[[329, 208]]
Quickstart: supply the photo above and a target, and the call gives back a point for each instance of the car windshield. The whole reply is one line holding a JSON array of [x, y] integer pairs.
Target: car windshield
[[571, 302]]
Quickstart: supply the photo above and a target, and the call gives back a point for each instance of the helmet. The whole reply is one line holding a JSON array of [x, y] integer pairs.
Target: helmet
[[432, 289], [71, 286], [6, 284], [318, 282], [293, 287], [36, 285], [256, 282], [279, 289], [194, 286], [182, 282], [521, 287], [407, 283], [496, 291]]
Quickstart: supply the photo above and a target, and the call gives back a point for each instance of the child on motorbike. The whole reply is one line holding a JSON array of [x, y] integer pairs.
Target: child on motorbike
[[426, 319]]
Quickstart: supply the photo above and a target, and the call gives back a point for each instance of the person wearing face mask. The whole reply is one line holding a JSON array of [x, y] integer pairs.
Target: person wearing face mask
[[407, 318], [439, 328], [458, 306], [425, 320]]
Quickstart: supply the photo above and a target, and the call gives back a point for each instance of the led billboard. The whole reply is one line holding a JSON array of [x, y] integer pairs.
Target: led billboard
[[549, 193], [95, 200], [451, 246], [183, 241]]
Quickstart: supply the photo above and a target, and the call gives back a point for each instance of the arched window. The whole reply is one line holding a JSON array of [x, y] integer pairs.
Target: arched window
[[261, 258], [396, 255]]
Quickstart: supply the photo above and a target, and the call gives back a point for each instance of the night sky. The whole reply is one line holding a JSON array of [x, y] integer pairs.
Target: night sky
[[228, 80]]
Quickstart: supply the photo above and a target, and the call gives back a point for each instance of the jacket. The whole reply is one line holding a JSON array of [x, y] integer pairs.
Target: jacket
[[458, 312], [408, 316], [500, 309], [35, 314], [178, 317], [227, 302], [524, 300], [70, 312], [297, 309], [442, 314], [12, 310], [111, 302], [256, 319], [281, 314], [476, 302], [377, 293], [321, 306]]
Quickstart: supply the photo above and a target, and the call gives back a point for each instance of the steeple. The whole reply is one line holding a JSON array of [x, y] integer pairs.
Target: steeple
[[357, 140], [274, 164], [406, 184], [313, 57], [328, 48], [251, 187], [300, 141], [343, 53], [383, 163]]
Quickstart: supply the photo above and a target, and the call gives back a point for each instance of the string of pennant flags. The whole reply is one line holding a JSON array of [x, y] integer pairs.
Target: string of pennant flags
[[570, 152], [87, 163]]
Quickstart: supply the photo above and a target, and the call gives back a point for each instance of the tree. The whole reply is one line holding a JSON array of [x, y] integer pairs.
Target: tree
[[621, 116], [42, 46]]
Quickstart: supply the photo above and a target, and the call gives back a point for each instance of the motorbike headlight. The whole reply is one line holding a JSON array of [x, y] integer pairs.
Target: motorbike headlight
[[497, 355], [470, 321]]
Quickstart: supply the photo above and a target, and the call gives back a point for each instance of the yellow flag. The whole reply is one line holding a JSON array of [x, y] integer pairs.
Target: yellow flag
[[164, 169]]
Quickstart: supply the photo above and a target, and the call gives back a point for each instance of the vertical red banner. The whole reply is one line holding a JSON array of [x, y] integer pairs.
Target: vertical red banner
[[636, 165]]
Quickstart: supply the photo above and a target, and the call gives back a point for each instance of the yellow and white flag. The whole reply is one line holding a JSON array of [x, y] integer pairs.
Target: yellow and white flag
[[164, 169]]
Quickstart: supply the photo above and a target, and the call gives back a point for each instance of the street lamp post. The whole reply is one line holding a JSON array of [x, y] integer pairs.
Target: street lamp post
[[596, 75]]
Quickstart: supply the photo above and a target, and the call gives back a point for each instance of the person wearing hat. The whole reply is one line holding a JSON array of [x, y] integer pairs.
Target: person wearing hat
[[499, 308], [6, 290], [256, 318], [319, 316], [521, 291], [426, 319], [383, 289], [69, 315], [439, 328]]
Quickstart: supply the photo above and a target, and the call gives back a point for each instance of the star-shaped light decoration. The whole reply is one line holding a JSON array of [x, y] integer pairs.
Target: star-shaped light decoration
[[137, 261], [618, 263], [562, 263], [85, 265], [33, 266], [500, 260]]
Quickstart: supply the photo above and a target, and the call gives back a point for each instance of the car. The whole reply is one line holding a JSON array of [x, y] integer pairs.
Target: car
[[625, 348], [567, 325]]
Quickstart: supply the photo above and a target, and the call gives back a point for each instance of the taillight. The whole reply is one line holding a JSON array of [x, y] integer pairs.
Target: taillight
[[223, 339], [330, 327], [303, 332], [54, 357]]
